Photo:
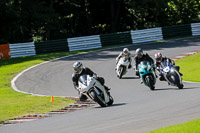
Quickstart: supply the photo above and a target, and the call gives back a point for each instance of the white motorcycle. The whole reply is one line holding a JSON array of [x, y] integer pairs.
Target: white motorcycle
[[122, 67], [94, 90]]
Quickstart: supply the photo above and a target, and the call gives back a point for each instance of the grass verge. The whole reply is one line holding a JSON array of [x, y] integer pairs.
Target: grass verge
[[188, 127], [14, 104], [190, 68]]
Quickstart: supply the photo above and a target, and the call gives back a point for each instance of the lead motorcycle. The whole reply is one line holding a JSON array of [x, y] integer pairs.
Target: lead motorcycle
[[147, 74], [122, 67], [171, 75], [94, 90]]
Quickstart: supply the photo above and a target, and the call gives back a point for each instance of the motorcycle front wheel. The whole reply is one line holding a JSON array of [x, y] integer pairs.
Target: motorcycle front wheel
[[180, 86], [150, 82], [111, 100], [97, 98], [121, 69]]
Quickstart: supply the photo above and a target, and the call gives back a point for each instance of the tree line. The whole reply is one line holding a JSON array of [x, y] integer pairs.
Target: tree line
[[40, 20]]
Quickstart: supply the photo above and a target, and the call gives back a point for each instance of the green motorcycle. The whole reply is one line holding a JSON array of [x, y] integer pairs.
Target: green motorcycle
[[147, 74]]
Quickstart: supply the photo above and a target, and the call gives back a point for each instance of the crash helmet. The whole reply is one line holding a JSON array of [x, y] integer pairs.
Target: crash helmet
[[78, 67], [125, 51], [139, 52], [158, 57]]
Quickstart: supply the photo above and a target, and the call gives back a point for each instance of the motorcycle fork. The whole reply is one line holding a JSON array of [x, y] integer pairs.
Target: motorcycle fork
[[104, 92]]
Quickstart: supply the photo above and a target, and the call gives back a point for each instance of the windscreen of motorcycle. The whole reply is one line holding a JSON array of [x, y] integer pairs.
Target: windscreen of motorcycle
[[165, 66], [83, 79], [144, 64]]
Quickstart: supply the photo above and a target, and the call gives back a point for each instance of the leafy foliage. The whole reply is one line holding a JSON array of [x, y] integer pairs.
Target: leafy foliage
[[39, 20]]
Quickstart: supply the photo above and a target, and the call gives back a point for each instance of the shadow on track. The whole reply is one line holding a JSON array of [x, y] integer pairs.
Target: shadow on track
[[114, 105], [175, 88], [130, 77], [118, 104]]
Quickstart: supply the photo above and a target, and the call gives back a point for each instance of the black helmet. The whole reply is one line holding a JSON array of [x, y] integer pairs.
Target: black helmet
[[139, 52], [78, 67]]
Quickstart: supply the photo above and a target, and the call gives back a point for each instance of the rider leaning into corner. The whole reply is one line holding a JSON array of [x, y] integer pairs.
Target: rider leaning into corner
[[140, 56], [80, 70], [125, 53], [159, 59]]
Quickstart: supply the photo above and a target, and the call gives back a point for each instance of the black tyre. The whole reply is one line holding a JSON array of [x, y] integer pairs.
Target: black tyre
[[150, 82], [121, 72], [176, 79], [111, 100], [98, 99], [180, 86]]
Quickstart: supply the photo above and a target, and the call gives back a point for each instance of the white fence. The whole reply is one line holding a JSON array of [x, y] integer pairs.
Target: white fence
[[195, 29], [22, 49], [82, 43], [146, 35]]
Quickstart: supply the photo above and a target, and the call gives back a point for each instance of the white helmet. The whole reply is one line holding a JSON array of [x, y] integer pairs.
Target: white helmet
[[158, 57], [78, 67], [139, 52], [125, 51]]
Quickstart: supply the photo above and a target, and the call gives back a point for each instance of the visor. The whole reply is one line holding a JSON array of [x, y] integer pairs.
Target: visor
[[140, 55], [159, 60], [78, 70]]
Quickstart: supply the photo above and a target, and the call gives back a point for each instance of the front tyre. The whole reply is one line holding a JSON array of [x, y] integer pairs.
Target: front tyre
[[98, 99], [121, 71], [180, 86], [111, 100], [150, 82]]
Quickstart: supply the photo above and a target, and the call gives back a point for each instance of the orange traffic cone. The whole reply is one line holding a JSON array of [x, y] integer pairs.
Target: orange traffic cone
[[52, 99]]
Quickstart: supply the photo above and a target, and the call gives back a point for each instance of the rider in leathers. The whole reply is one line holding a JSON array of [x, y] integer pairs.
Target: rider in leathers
[[125, 53], [80, 70], [140, 56]]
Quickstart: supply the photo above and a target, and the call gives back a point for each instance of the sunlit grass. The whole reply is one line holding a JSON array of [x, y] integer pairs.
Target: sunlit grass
[[12, 103], [189, 66], [188, 127]]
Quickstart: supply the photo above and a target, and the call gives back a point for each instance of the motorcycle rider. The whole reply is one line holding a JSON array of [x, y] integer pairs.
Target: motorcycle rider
[[80, 70], [159, 59], [125, 53], [140, 56]]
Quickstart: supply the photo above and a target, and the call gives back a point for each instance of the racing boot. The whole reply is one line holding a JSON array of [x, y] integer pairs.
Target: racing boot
[[162, 78], [181, 74], [129, 66], [82, 98], [107, 88]]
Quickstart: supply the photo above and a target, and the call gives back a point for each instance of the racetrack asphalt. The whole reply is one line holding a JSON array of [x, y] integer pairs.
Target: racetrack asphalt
[[136, 108]]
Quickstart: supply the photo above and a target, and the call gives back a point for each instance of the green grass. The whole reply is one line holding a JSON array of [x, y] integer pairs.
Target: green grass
[[189, 66], [14, 104], [188, 127]]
